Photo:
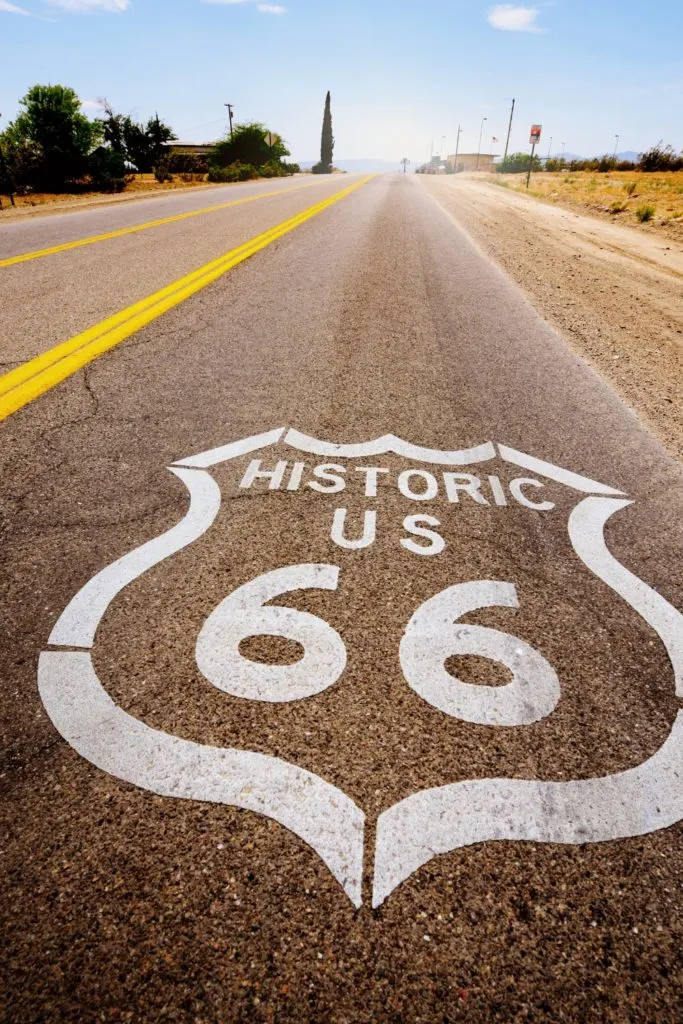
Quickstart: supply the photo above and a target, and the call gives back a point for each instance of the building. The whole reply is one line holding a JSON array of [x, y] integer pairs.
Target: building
[[189, 148], [472, 162]]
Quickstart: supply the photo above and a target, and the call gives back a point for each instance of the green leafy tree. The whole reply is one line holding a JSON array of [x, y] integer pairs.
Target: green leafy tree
[[142, 145], [113, 128], [518, 163], [326, 141], [51, 119], [247, 145], [20, 162]]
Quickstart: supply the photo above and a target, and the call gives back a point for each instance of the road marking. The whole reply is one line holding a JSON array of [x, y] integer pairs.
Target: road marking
[[32, 379], [427, 823], [635, 802], [25, 257]]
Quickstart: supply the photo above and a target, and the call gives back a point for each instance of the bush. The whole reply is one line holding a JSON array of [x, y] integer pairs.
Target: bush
[[518, 163], [235, 172], [661, 158], [606, 164], [162, 171], [247, 146], [618, 206], [20, 163], [321, 168], [630, 187], [108, 170], [645, 213], [187, 163]]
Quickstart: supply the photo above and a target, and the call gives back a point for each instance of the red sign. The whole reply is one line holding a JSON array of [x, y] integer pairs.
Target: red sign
[[535, 134]]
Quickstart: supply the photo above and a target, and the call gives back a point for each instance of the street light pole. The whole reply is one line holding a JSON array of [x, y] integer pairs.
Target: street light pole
[[457, 149], [230, 113], [549, 148], [616, 146], [507, 141], [481, 132]]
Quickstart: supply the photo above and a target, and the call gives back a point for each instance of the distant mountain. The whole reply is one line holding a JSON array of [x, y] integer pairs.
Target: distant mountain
[[357, 166]]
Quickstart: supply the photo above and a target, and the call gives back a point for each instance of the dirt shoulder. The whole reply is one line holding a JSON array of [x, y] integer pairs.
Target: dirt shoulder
[[651, 203], [615, 293]]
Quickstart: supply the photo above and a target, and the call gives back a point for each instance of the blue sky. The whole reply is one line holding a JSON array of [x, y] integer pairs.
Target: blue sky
[[403, 73]]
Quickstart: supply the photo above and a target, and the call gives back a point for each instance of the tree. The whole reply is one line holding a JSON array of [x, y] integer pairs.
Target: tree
[[140, 144], [247, 145], [326, 141], [518, 163], [51, 119], [20, 162]]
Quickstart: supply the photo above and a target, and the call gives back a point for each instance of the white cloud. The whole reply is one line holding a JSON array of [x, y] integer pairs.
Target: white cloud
[[263, 8], [514, 18], [9, 8], [83, 6], [91, 104]]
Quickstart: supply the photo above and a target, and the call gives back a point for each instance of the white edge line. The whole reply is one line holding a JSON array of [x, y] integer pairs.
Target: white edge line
[[563, 476]]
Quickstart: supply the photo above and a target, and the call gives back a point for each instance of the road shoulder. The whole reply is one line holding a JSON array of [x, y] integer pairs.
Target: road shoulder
[[613, 293]]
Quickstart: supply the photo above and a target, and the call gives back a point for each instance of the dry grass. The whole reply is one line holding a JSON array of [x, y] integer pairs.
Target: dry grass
[[142, 183], [617, 196]]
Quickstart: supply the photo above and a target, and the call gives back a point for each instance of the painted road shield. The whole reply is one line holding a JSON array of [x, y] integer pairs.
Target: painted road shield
[[415, 679]]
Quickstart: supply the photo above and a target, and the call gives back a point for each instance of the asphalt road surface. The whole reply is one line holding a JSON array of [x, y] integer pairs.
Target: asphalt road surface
[[342, 670]]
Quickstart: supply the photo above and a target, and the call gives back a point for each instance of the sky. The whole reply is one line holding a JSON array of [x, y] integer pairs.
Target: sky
[[403, 73]]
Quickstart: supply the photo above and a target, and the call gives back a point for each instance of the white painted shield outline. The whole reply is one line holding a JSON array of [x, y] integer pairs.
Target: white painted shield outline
[[409, 834]]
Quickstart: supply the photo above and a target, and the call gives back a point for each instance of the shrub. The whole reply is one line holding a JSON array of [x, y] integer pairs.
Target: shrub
[[162, 171], [108, 170], [235, 172], [606, 164], [618, 206], [630, 187], [19, 166], [187, 163], [321, 168], [247, 146], [518, 163], [645, 213], [661, 158]]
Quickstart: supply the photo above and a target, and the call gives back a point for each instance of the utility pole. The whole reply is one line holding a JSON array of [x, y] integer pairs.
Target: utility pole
[[230, 114], [550, 146], [404, 163], [457, 149], [616, 146], [507, 141], [481, 132]]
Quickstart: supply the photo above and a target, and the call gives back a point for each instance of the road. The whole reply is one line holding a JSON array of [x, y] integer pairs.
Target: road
[[342, 653]]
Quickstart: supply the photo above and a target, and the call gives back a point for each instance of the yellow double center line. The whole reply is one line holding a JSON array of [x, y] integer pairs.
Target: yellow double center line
[[37, 254], [32, 379]]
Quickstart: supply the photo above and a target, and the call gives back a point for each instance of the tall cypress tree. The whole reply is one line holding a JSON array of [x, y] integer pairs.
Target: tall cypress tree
[[327, 141]]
